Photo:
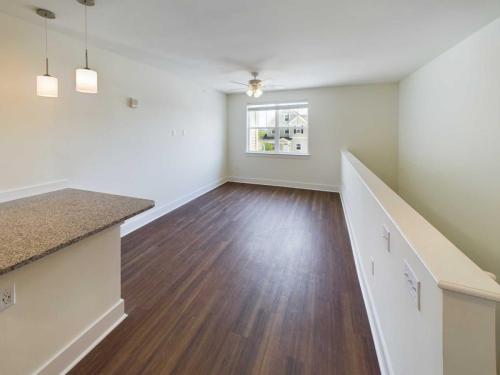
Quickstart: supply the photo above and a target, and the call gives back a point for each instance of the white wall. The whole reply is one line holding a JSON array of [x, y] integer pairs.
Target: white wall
[[449, 166], [96, 141], [363, 119], [391, 311]]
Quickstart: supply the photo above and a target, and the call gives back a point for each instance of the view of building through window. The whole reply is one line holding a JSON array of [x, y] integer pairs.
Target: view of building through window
[[278, 128]]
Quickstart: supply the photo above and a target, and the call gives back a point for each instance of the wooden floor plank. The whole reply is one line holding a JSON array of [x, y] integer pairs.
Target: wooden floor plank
[[246, 279]]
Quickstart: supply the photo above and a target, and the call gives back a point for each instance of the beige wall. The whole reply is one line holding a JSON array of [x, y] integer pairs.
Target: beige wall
[[96, 141], [363, 119], [449, 145], [58, 298]]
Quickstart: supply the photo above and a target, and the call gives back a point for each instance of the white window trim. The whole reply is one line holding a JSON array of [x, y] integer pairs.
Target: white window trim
[[277, 106], [278, 154]]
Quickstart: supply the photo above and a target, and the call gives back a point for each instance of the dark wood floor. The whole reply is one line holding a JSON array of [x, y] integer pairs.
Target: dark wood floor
[[244, 280]]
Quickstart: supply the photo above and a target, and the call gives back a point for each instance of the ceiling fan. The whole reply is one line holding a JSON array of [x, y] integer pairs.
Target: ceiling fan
[[254, 86]]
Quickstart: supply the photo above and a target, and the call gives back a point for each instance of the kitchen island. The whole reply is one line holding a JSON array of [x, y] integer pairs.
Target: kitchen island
[[60, 254]]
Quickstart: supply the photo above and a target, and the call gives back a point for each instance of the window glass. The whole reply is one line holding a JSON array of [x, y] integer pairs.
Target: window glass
[[278, 128], [261, 140], [261, 119]]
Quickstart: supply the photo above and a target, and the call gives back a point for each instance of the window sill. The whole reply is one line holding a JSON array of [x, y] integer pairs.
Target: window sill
[[278, 155]]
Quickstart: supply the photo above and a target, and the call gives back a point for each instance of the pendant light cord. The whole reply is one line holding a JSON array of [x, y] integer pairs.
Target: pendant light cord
[[86, 51], [46, 50]]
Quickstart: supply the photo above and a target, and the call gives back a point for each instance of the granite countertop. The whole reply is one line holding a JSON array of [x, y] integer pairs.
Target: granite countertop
[[31, 228]]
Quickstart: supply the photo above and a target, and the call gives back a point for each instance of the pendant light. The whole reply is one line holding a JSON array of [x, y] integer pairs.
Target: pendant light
[[46, 85], [86, 79]]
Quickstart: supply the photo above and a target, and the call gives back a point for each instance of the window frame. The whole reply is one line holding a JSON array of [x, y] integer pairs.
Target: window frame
[[277, 106]]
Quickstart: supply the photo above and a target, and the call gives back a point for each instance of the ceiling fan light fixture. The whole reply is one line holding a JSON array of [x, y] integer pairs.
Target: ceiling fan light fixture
[[254, 89]]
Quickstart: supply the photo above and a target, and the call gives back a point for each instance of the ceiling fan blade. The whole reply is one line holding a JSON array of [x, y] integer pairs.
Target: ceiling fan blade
[[240, 83], [273, 86]]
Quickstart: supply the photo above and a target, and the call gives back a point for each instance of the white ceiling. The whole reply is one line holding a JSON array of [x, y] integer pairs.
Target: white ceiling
[[297, 43]]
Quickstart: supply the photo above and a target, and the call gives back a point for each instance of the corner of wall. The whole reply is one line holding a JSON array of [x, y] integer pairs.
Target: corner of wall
[[226, 150]]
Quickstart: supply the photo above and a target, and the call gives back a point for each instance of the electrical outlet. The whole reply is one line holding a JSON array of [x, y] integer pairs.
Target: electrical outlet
[[172, 132], [387, 236], [412, 284], [7, 296]]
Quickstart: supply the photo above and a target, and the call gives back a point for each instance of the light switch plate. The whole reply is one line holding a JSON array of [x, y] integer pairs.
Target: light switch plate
[[386, 234], [412, 284], [133, 103]]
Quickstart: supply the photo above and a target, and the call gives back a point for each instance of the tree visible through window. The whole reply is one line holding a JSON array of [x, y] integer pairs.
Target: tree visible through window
[[278, 128]]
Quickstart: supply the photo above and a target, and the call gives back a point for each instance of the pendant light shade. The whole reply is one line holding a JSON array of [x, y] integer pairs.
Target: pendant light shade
[[86, 81], [86, 78], [46, 85]]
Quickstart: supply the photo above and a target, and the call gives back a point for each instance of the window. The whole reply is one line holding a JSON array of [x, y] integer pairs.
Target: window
[[278, 128]]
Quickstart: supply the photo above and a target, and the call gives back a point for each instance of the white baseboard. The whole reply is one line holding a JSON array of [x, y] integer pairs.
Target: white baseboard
[[80, 346], [145, 218], [378, 339], [285, 183], [27, 191]]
